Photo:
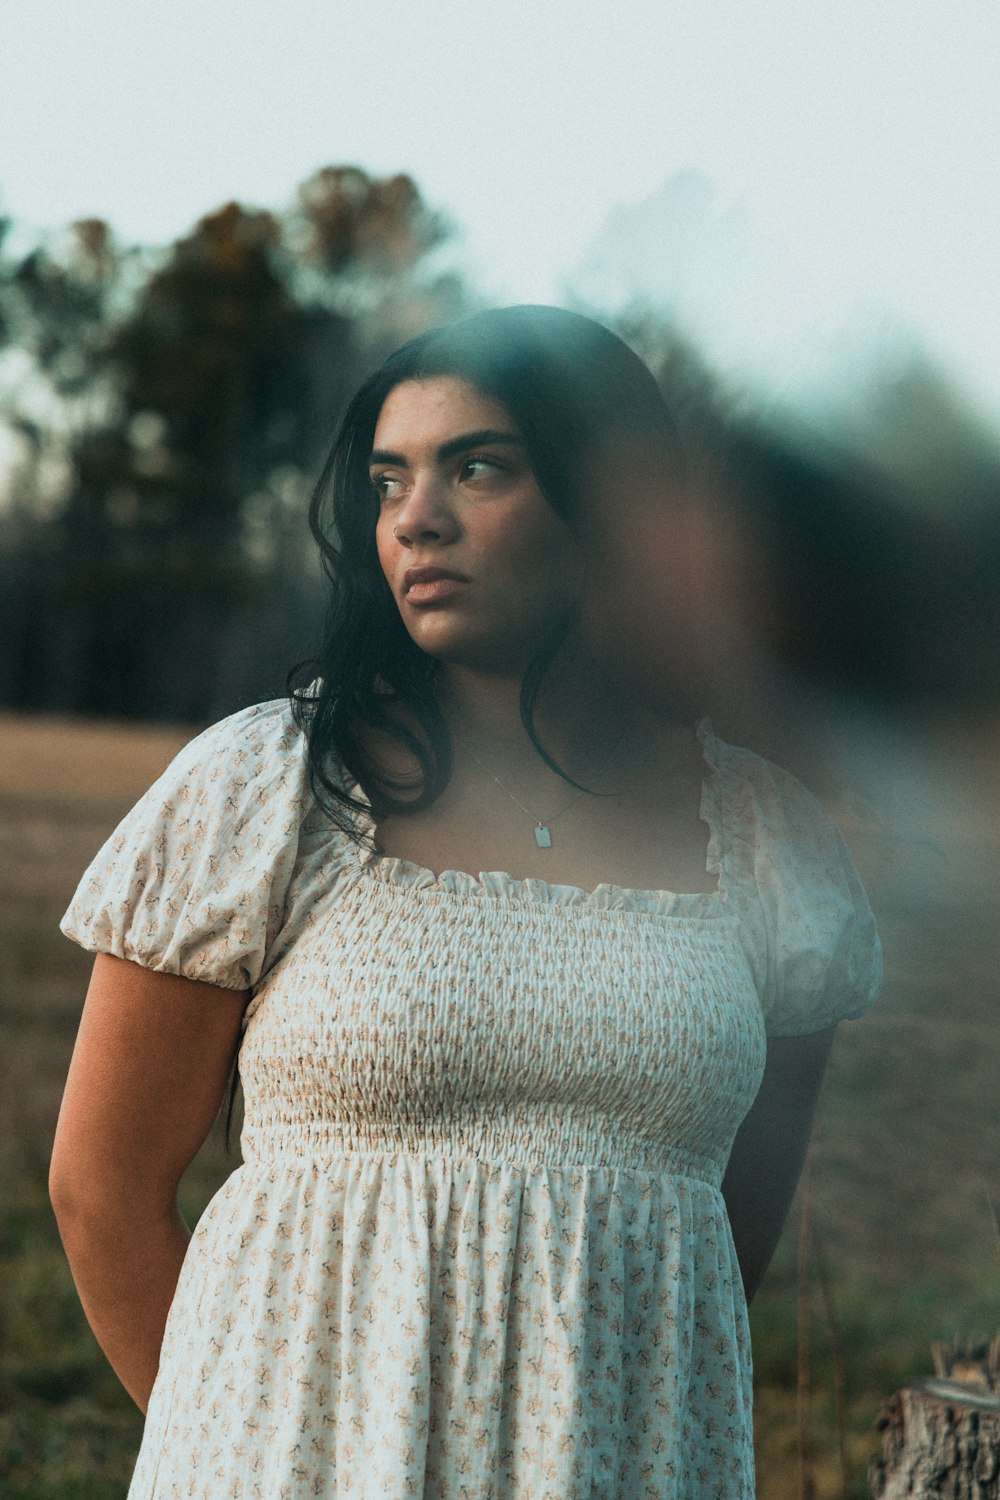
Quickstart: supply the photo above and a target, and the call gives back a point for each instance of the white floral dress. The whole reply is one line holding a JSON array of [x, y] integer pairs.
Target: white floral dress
[[477, 1249]]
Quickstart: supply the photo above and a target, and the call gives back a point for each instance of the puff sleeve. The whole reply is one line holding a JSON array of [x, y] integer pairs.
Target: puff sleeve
[[824, 958], [807, 926], [193, 881]]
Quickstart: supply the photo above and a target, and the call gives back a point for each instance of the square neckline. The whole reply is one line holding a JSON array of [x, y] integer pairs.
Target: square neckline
[[407, 874]]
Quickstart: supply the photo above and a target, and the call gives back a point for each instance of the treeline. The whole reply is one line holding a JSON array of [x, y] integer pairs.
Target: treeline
[[167, 410]]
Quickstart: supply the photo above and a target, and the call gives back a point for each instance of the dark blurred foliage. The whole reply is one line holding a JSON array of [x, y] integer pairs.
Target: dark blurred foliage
[[848, 567], [884, 535], [882, 599], [171, 407]]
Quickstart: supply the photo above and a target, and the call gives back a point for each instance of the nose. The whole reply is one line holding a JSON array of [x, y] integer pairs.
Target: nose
[[425, 516]]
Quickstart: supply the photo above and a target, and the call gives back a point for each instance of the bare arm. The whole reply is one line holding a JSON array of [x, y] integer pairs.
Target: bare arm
[[148, 1074], [770, 1148]]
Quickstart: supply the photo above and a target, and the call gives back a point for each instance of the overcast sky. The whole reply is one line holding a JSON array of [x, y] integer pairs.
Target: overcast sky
[[790, 177]]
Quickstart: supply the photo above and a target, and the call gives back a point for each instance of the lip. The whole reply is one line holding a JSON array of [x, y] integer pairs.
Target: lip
[[428, 585]]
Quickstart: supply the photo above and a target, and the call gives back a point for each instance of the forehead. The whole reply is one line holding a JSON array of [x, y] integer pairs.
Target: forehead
[[429, 412]]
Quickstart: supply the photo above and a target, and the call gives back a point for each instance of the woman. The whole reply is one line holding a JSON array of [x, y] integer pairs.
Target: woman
[[480, 1243]]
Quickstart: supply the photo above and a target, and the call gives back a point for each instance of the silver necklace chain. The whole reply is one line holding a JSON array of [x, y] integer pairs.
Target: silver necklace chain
[[543, 836]]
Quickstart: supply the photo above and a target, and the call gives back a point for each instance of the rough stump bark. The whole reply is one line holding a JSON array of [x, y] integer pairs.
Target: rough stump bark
[[941, 1435]]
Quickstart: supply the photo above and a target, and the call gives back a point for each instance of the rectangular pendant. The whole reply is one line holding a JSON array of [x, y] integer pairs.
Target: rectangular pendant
[[543, 837]]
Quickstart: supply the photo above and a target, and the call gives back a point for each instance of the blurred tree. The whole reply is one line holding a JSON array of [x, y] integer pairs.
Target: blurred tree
[[371, 228], [56, 308], [365, 247], [57, 305], [189, 394]]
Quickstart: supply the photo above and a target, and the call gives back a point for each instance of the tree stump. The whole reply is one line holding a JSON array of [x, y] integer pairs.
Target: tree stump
[[941, 1435]]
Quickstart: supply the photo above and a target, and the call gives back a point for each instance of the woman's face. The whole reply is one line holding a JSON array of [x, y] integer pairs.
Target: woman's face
[[479, 564]]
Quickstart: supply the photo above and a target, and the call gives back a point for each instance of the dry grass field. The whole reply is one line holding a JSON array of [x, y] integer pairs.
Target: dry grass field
[[904, 1166]]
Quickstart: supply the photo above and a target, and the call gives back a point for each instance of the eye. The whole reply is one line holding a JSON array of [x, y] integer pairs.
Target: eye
[[383, 484], [480, 461]]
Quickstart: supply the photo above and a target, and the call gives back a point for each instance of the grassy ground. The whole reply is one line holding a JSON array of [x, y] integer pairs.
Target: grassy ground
[[903, 1168]]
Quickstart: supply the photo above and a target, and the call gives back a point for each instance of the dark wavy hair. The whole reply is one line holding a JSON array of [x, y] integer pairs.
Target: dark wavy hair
[[579, 396]]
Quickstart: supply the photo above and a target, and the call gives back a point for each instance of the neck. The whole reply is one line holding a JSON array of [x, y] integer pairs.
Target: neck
[[578, 712], [484, 707]]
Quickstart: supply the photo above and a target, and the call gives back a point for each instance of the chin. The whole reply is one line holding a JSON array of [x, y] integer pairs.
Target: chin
[[479, 656], [454, 641]]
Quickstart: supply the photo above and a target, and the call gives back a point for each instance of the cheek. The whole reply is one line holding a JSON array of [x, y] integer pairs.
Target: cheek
[[557, 557], [385, 547], [535, 546]]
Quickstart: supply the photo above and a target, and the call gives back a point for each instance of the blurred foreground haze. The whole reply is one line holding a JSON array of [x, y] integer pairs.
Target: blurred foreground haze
[[220, 217]]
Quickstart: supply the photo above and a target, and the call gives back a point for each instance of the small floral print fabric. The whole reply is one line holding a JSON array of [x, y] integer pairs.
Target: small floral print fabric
[[477, 1248]]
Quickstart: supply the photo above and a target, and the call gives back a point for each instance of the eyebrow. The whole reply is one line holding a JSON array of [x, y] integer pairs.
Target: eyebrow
[[454, 446]]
